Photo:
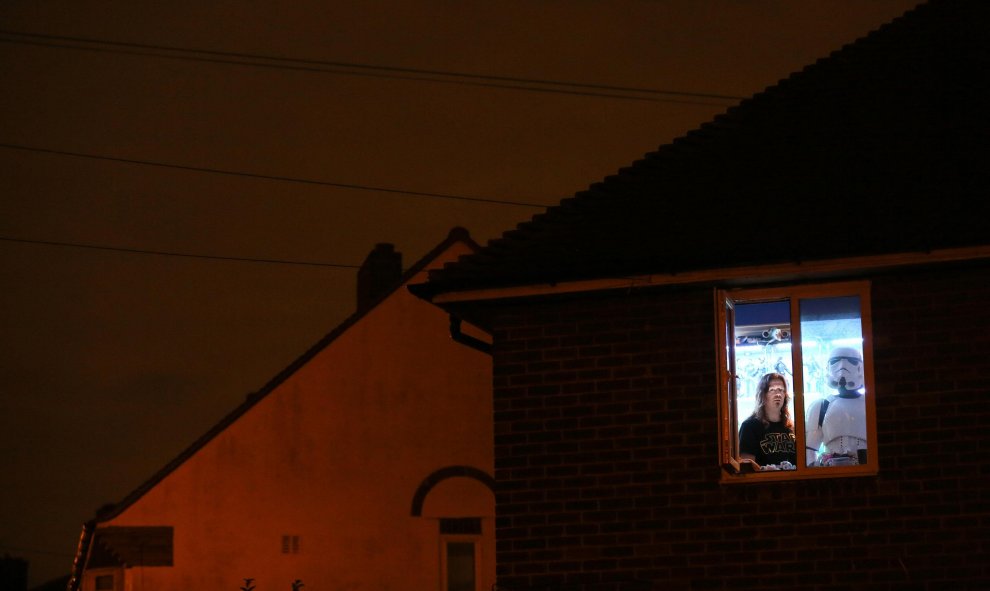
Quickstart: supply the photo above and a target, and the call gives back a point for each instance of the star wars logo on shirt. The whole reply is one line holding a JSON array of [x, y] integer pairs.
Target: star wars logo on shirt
[[773, 443]]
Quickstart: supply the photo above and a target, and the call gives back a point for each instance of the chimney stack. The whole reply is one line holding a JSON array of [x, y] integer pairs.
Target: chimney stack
[[379, 274]]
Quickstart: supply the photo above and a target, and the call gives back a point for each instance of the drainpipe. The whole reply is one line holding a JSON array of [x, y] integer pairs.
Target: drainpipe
[[470, 341], [82, 552]]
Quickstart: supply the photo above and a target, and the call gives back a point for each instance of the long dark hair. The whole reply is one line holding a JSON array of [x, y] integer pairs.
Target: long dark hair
[[762, 389]]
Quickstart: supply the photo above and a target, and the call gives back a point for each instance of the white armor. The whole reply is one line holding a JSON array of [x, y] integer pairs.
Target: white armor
[[835, 438], [843, 429]]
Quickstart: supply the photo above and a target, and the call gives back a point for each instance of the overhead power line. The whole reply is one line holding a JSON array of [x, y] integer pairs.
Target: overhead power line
[[177, 254], [360, 69], [284, 179]]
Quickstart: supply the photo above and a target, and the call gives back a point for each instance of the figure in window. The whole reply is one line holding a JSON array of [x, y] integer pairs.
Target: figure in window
[[767, 437], [836, 425]]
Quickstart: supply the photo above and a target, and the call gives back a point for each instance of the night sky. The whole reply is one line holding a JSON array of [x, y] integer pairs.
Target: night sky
[[230, 130]]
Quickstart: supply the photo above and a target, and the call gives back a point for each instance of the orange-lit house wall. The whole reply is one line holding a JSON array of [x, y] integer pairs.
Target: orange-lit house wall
[[335, 455]]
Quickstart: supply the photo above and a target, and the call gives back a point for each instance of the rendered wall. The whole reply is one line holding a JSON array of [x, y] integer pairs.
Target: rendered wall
[[606, 451], [334, 455]]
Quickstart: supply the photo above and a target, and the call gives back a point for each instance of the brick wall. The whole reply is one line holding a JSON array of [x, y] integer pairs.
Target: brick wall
[[606, 452]]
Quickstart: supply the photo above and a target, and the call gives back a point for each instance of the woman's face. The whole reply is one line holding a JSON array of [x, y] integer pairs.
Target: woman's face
[[776, 394]]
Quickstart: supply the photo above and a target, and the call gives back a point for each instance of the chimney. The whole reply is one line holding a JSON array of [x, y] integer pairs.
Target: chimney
[[379, 274]]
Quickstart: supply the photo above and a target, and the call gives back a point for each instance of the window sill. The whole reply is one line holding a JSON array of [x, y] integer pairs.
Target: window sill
[[743, 471]]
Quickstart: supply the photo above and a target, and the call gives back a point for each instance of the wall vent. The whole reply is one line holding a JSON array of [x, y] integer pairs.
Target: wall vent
[[290, 544]]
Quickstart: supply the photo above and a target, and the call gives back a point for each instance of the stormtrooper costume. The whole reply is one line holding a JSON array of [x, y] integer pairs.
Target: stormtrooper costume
[[836, 425]]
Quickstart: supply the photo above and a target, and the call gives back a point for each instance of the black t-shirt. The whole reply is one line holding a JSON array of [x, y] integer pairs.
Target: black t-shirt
[[769, 445]]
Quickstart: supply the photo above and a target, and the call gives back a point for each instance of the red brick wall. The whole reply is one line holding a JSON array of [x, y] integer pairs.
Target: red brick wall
[[606, 452]]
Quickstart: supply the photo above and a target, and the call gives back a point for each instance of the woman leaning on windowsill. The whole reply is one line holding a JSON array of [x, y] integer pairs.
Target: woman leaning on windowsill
[[767, 436]]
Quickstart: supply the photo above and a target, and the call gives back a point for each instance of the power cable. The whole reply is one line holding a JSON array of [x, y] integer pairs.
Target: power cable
[[360, 69], [177, 254], [284, 179]]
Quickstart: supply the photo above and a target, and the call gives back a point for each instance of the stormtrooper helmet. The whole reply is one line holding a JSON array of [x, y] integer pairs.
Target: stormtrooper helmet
[[845, 369]]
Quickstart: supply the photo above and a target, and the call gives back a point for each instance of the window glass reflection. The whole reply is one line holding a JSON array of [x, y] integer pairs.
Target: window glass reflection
[[763, 346], [834, 381]]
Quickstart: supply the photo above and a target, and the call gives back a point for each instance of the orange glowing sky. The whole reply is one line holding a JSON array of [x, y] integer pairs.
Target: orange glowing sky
[[113, 362]]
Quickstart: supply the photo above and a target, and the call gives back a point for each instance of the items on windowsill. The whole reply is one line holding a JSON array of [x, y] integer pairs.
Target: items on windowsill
[[785, 465], [840, 459]]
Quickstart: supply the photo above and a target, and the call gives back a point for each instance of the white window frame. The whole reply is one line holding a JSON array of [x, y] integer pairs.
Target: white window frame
[[735, 471], [89, 578]]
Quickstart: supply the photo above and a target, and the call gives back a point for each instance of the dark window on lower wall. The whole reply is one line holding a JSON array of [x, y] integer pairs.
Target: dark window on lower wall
[[460, 561], [460, 548], [104, 583]]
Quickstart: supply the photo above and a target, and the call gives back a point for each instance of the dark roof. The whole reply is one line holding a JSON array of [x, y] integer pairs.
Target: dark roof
[[104, 514], [879, 148]]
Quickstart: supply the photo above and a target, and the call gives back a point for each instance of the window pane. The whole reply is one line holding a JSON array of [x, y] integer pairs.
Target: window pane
[[460, 566], [104, 582], [763, 345], [834, 381]]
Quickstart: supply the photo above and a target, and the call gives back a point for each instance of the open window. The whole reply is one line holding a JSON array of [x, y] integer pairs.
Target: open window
[[816, 341]]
